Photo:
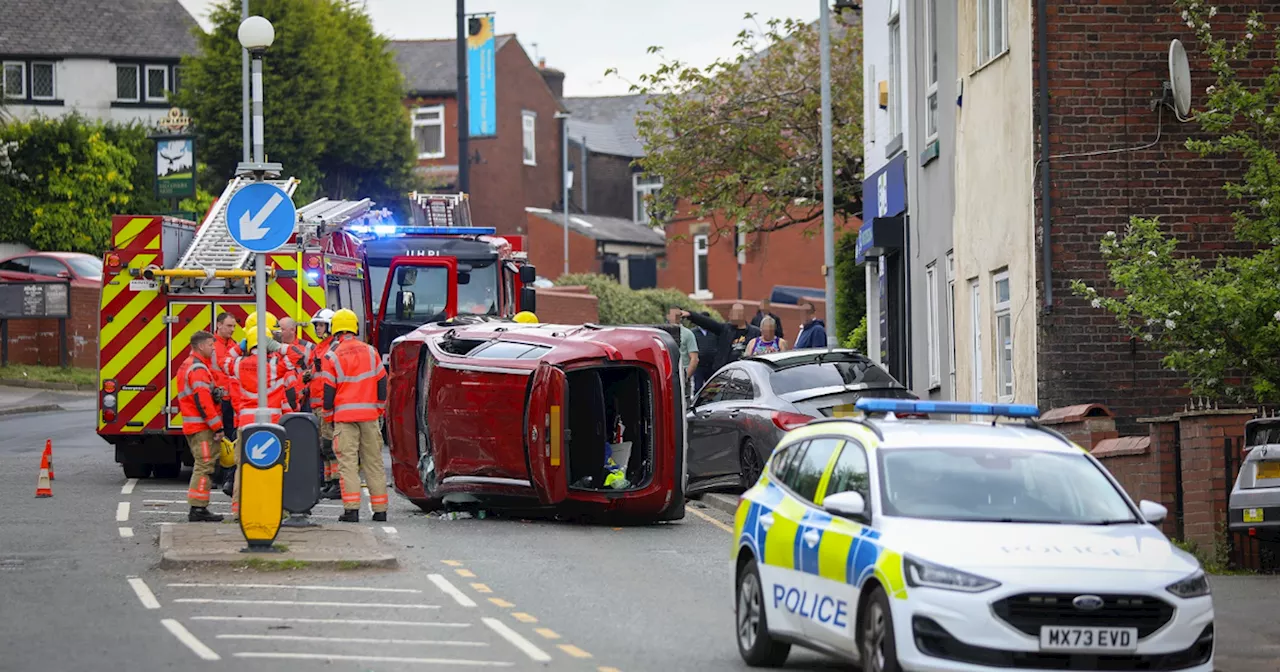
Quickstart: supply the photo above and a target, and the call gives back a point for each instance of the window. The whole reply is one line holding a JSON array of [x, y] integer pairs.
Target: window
[[711, 391], [19, 265], [1004, 338], [86, 267], [931, 88], [47, 267], [992, 36], [895, 74], [782, 459], [127, 89], [43, 86], [804, 476], [177, 79], [951, 317], [529, 124], [419, 295], [850, 473], [157, 83], [860, 372], [645, 189], [15, 80], [931, 322], [871, 101], [738, 388], [975, 306], [428, 132], [700, 265], [508, 350]]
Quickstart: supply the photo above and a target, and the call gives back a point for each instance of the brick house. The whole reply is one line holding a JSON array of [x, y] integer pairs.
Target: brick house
[[517, 168], [597, 244]]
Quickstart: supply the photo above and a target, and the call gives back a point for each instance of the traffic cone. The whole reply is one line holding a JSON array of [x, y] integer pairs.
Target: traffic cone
[[48, 450], [43, 488]]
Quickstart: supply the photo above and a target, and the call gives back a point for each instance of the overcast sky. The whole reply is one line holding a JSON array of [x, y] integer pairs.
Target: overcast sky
[[586, 37]]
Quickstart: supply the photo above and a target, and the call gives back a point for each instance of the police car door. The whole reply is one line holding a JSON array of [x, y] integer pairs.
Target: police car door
[[848, 549], [820, 607]]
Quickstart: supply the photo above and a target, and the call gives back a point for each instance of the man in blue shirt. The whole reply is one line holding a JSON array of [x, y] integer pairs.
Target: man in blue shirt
[[814, 333]]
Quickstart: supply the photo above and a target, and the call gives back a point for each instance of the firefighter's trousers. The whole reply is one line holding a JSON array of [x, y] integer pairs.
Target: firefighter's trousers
[[326, 447], [204, 454], [356, 444], [235, 489]]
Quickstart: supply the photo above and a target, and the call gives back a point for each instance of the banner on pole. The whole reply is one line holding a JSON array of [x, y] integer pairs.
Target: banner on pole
[[482, 99]]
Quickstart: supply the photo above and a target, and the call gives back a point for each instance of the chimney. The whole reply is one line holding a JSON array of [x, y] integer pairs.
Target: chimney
[[554, 78]]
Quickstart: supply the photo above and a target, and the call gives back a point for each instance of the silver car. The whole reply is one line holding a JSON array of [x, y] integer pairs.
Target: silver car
[[1254, 507]]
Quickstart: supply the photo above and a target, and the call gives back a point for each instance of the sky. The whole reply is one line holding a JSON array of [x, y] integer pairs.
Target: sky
[[586, 37]]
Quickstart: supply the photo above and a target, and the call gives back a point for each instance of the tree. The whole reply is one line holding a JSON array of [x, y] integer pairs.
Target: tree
[[742, 138], [1218, 321], [333, 100], [851, 287]]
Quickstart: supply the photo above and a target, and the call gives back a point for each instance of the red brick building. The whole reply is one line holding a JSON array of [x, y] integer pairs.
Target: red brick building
[[597, 244], [517, 168]]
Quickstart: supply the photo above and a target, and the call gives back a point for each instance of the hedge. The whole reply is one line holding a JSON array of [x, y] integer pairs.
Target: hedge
[[622, 305]]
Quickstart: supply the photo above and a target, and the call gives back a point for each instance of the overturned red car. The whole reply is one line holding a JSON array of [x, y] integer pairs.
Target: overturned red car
[[578, 420]]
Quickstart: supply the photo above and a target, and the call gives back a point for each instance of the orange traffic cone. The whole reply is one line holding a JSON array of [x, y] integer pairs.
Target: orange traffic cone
[[48, 450], [43, 488]]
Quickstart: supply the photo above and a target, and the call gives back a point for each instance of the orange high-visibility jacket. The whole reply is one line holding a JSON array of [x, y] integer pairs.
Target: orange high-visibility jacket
[[225, 352], [355, 386], [195, 397], [281, 389], [297, 354], [318, 378]]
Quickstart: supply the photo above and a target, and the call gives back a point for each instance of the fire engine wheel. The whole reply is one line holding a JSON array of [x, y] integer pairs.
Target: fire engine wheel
[[136, 470], [168, 471]]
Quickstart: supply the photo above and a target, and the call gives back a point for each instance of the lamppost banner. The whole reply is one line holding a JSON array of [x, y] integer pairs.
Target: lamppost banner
[[482, 100]]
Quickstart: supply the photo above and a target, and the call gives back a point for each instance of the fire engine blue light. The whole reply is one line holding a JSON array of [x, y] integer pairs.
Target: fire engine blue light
[[361, 228], [447, 230], [901, 406], [385, 230]]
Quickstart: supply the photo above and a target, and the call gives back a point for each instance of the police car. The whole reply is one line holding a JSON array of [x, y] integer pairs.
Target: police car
[[925, 545]]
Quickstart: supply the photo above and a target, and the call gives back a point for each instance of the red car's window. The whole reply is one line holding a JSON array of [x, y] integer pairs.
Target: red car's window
[[21, 265], [47, 266]]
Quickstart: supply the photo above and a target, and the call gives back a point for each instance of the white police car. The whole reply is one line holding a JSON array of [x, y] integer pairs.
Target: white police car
[[926, 545]]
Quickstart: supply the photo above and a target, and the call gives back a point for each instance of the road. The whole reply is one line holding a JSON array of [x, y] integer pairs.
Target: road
[[79, 589]]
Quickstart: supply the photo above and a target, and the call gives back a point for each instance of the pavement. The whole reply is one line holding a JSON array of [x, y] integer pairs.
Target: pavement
[[19, 400], [82, 586], [322, 547]]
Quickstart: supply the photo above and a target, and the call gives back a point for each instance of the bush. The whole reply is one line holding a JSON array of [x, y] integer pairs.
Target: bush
[[857, 338], [851, 286], [622, 305]]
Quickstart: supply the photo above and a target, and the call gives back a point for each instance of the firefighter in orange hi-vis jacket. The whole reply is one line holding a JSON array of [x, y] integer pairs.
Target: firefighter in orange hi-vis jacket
[[355, 391], [320, 323], [282, 394], [201, 423]]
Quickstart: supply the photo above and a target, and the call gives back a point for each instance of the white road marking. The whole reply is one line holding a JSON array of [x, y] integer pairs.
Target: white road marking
[[126, 532], [291, 587], [122, 512], [329, 621], [145, 595], [538, 655], [450, 590], [389, 530], [226, 503], [127, 488], [353, 640], [296, 603], [374, 659], [190, 640]]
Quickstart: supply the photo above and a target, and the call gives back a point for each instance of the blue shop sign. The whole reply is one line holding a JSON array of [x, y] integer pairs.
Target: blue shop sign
[[884, 194]]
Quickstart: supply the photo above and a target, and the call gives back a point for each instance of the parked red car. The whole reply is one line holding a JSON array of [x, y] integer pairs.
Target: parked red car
[[80, 269], [516, 416]]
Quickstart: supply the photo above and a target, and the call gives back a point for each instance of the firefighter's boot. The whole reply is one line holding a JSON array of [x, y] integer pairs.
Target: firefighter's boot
[[331, 490], [380, 516], [350, 516], [200, 514]]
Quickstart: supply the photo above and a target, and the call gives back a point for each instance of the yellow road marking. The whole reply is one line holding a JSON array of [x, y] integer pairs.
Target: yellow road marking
[[501, 602], [465, 573], [574, 651], [523, 617], [547, 632], [711, 520], [452, 563], [608, 669], [481, 588]]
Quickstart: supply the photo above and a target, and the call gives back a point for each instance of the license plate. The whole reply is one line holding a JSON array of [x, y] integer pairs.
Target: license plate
[[1268, 470], [1253, 515], [1075, 638], [845, 411]]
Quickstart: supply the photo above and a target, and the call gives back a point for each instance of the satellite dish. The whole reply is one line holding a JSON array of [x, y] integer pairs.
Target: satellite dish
[[1180, 78]]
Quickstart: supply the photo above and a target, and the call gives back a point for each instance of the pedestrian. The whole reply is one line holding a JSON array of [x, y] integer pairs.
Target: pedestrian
[[706, 356], [731, 336], [688, 348], [320, 323], [225, 351], [355, 391], [201, 423], [281, 395], [768, 341], [766, 310], [814, 333]]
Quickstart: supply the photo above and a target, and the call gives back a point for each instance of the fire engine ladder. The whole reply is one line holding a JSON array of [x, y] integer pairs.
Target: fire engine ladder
[[453, 210], [324, 213], [213, 248]]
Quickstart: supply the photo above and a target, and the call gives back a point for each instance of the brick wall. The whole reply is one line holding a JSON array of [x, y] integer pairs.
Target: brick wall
[[1107, 63], [545, 244], [567, 305], [36, 342], [1205, 483]]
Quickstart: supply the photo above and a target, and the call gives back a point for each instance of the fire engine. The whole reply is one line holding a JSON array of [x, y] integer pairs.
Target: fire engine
[[166, 278], [441, 267]]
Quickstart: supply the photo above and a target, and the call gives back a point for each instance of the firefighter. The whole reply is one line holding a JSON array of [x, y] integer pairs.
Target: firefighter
[[281, 394], [525, 317], [251, 324], [201, 423], [320, 323], [299, 356], [355, 391], [225, 351]]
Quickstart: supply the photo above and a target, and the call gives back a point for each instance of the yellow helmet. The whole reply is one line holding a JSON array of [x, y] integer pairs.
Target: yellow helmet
[[345, 320], [250, 339], [252, 321], [525, 317], [227, 453]]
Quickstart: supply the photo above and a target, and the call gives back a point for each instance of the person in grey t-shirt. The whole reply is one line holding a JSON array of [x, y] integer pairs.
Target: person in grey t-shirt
[[688, 346]]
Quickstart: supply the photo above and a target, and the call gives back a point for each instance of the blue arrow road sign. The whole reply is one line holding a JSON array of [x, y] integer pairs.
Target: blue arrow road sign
[[262, 449], [261, 217]]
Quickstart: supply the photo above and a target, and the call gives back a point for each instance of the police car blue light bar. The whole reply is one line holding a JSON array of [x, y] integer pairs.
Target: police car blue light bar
[[904, 406]]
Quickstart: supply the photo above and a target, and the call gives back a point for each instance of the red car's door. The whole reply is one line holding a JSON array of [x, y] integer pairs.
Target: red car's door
[[418, 290], [545, 434]]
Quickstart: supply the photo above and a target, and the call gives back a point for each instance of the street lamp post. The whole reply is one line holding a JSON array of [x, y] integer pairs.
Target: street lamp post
[[828, 221], [564, 180], [256, 35]]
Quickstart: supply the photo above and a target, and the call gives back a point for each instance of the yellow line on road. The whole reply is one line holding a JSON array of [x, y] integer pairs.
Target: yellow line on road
[[523, 617], [547, 632], [481, 588], [608, 669], [711, 520], [465, 573], [574, 651], [501, 602], [452, 563]]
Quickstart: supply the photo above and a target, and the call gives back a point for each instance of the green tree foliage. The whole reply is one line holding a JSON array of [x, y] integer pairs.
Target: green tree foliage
[[332, 106], [61, 180], [1217, 320], [622, 305], [857, 337], [742, 138], [851, 286]]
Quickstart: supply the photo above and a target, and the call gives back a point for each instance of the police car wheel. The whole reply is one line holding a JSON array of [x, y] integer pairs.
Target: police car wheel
[[879, 648], [755, 644]]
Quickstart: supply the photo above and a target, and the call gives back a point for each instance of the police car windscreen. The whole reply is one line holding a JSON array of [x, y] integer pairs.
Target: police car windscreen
[[999, 486]]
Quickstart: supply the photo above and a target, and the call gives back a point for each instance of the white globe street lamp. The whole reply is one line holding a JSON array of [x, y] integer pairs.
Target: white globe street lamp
[[256, 34]]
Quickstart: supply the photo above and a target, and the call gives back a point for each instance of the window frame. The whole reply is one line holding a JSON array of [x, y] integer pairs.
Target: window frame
[[895, 75], [638, 206], [438, 123], [931, 71], [719, 375], [931, 324], [871, 99], [146, 83], [701, 288], [975, 333], [4, 91], [529, 137], [986, 18], [138, 87], [817, 495], [853, 444], [951, 316], [1001, 310], [53, 80]]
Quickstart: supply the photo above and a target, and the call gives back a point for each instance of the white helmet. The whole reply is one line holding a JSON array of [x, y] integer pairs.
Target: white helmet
[[325, 316]]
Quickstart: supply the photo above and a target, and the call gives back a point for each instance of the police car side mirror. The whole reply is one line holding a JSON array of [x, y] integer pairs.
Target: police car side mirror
[[847, 505], [1153, 513]]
